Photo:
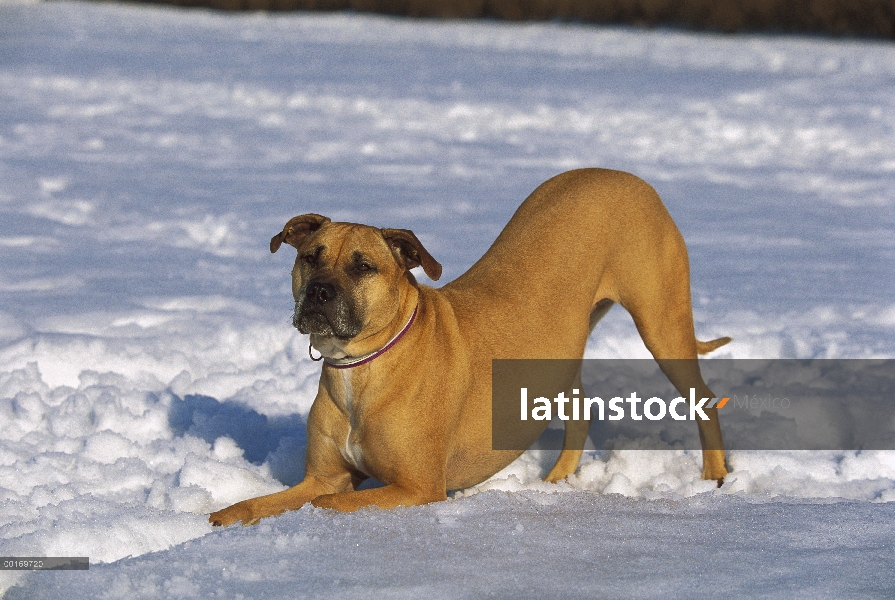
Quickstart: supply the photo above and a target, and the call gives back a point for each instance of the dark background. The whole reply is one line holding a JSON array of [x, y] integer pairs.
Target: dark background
[[865, 18]]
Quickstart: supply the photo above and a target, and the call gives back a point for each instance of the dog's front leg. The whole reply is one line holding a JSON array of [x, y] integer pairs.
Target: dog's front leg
[[253, 510], [325, 471], [388, 496]]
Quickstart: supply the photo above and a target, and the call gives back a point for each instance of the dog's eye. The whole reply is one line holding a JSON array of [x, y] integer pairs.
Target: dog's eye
[[309, 259], [363, 267]]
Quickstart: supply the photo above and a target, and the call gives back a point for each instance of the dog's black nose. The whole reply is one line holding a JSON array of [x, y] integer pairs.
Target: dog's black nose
[[320, 293]]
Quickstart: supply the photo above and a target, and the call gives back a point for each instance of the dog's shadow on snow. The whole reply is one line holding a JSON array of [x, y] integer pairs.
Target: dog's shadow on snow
[[278, 441]]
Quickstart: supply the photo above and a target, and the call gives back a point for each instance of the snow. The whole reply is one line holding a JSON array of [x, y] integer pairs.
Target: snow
[[149, 373]]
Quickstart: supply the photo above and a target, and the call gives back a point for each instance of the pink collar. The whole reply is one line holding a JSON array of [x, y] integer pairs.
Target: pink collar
[[348, 362]]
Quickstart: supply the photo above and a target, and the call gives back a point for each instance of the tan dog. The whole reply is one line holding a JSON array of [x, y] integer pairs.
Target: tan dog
[[405, 392]]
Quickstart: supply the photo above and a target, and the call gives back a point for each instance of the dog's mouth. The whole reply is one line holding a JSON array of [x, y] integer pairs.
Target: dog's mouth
[[325, 321], [313, 322]]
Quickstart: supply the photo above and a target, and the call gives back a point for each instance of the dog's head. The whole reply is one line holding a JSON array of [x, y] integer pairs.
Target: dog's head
[[348, 279]]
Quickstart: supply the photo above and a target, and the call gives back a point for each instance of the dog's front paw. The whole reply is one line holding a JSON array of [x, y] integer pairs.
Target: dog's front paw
[[241, 511]]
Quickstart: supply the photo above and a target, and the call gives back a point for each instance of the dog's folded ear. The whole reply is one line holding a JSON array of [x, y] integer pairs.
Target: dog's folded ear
[[412, 252], [296, 230]]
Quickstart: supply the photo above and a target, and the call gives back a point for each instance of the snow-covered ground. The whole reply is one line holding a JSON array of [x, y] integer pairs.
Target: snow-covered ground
[[149, 373]]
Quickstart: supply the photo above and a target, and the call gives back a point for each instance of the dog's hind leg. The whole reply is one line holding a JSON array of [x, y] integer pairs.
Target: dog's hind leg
[[576, 431], [573, 448], [599, 310], [572, 444], [664, 318], [683, 372]]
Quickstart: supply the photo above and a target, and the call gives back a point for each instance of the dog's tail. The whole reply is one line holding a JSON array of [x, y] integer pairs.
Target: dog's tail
[[706, 347]]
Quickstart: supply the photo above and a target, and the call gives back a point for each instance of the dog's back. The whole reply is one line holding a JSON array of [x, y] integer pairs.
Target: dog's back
[[579, 238]]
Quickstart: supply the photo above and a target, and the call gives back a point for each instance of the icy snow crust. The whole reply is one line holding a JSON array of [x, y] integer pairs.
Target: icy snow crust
[[149, 373]]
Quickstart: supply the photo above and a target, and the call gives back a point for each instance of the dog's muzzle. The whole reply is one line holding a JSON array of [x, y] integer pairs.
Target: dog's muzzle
[[323, 310]]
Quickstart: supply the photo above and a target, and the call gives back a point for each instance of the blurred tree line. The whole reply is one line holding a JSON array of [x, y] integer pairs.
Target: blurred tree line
[[871, 18]]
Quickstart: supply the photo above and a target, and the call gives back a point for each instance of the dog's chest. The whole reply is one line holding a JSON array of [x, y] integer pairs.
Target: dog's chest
[[351, 450]]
